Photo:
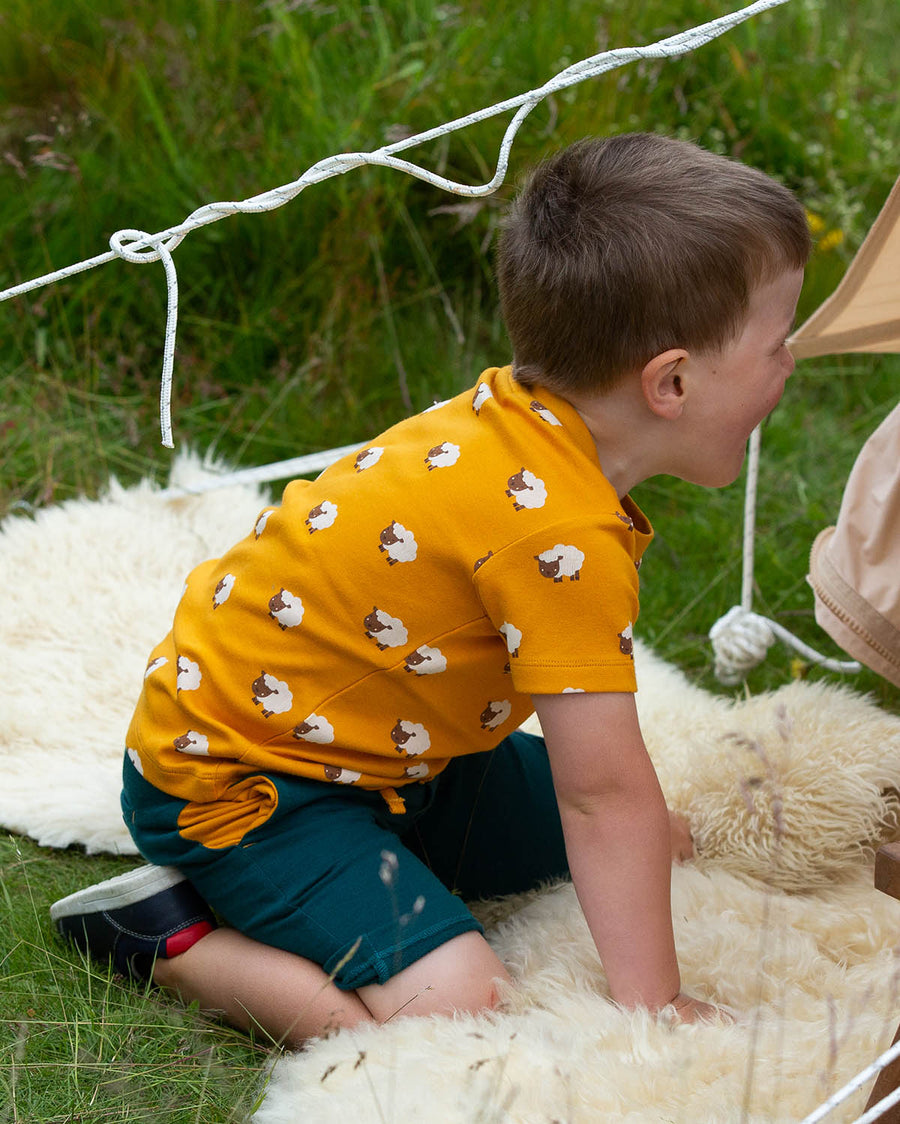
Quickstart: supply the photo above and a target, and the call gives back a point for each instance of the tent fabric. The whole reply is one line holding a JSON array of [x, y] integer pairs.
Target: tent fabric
[[855, 565], [863, 313]]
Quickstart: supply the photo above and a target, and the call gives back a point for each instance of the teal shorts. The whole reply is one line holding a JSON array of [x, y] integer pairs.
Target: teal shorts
[[336, 877]]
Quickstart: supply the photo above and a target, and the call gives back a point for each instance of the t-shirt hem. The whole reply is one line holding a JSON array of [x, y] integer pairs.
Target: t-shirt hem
[[557, 678]]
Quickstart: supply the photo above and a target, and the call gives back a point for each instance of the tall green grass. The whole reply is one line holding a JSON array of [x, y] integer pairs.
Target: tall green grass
[[76, 1044], [369, 295]]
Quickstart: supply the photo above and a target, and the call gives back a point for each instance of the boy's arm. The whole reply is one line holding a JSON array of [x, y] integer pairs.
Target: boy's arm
[[618, 842]]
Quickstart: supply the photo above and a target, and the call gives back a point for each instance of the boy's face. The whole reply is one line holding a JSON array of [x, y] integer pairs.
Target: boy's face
[[730, 391]]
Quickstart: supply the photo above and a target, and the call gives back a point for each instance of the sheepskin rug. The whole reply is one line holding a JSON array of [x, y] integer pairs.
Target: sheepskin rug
[[788, 794]]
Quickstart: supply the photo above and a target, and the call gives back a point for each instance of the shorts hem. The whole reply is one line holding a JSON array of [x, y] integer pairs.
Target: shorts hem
[[379, 966]]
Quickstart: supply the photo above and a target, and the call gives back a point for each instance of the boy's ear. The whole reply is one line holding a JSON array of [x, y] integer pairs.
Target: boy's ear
[[662, 384]]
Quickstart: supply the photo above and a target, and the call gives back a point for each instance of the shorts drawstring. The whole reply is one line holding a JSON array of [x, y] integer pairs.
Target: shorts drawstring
[[394, 801]]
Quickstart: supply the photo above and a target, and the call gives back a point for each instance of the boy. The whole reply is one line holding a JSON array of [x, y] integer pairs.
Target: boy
[[311, 746]]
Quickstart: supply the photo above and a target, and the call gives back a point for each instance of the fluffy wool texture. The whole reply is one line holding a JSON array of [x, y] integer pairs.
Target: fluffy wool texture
[[787, 794]]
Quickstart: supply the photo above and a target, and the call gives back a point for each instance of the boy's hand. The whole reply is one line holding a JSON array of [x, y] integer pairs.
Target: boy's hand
[[690, 1010], [682, 840]]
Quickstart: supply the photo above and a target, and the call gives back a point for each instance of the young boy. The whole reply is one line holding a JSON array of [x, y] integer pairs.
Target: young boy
[[326, 750]]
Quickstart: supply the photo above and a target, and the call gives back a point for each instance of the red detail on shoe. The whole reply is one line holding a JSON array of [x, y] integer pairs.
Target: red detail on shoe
[[181, 941]]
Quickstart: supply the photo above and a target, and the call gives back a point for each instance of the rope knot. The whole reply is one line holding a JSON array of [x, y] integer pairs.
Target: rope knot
[[150, 247], [740, 641], [155, 247]]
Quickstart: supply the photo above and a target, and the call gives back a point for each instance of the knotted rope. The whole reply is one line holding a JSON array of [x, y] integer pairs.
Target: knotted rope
[[141, 248], [741, 638]]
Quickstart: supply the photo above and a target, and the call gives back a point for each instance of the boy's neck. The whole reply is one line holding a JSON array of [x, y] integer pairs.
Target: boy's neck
[[623, 433]]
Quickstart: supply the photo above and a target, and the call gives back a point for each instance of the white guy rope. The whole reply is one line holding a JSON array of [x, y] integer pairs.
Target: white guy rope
[[142, 247], [154, 249], [857, 1082], [260, 474], [878, 1110], [741, 638]]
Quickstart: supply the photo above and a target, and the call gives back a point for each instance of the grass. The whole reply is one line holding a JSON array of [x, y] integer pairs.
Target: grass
[[319, 324], [341, 302], [78, 1044]]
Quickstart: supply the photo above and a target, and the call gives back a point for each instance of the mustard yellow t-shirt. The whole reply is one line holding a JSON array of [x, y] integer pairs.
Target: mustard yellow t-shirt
[[400, 610]]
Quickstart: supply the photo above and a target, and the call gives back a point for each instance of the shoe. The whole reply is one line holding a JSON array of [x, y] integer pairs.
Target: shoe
[[134, 919]]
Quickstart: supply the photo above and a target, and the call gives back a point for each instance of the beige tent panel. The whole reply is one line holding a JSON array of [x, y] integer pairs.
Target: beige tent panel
[[863, 313]]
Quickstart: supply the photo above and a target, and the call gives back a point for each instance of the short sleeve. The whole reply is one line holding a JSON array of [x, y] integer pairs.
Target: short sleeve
[[565, 600]]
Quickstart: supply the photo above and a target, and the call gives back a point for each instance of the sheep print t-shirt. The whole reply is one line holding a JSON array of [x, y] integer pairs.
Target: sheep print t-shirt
[[401, 609]]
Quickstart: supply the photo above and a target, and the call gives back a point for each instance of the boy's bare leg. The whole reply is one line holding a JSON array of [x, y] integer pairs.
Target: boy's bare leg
[[291, 999], [254, 986]]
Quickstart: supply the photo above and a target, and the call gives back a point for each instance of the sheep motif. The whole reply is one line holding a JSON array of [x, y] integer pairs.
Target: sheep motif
[[442, 456], [262, 521], [315, 728], [410, 738], [321, 516], [155, 665], [273, 695], [286, 609], [385, 630], [193, 743], [135, 759], [573, 690], [495, 714], [426, 661], [223, 590], [189, 675], [526, 490], [398, 543], [541, 410], [626, 640], [626, 519], [418, 771], [435, 405], [512, 636], [561, 562], [482, 393], [367, 458], [342, 776]]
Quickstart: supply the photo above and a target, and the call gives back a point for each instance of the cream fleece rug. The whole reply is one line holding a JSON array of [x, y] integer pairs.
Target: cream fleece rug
[[787, 794]]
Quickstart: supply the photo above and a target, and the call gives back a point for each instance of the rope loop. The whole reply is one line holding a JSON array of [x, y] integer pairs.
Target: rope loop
[[740, 641], [139, 247]]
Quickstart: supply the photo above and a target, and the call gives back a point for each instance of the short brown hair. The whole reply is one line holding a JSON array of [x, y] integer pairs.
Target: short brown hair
[[618, 249]]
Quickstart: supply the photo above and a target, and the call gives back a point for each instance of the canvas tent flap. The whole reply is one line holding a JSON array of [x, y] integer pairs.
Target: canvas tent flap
[[863, 313], [855, 565]]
